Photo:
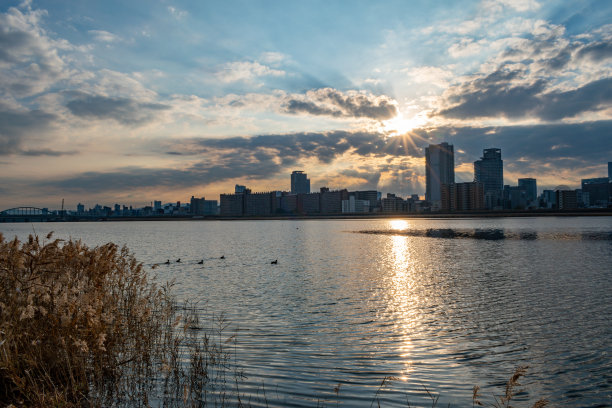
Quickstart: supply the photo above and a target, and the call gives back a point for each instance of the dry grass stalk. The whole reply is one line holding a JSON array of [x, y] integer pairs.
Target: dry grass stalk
[[83, 327]]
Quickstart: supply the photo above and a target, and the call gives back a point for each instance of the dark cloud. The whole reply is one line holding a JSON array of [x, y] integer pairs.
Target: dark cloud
[[487, 97], [123, 110], [325, 146], [16, 127], [331, 102], [47, 152], [586, 144], [597, 51], [12, 43]]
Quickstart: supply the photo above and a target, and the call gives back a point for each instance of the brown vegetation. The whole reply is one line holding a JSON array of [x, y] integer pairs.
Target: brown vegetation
[[84, 327]]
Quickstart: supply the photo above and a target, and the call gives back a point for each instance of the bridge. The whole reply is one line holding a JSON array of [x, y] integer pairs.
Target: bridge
[[29, 214], [25, 211]]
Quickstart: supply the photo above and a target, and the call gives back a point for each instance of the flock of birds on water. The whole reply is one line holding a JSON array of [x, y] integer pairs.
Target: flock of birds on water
[[200, 262]]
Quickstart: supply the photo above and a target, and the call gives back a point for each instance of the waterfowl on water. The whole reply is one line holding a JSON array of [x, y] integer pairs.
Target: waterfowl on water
[[201, 262], [178, 260], [274, 262], [222, 257], [167, 262]]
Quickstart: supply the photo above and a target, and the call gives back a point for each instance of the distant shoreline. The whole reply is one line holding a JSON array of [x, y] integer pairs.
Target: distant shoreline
[[599, 212]]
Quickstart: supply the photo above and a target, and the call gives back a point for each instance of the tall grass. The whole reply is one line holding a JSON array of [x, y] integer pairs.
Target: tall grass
[[84, 327]]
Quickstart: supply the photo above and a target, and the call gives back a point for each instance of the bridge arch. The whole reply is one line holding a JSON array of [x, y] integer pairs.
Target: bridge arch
[[25, 211]]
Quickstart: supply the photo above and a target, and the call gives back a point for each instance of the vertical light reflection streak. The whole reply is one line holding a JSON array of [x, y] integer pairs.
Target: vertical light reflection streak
[[403, 300]]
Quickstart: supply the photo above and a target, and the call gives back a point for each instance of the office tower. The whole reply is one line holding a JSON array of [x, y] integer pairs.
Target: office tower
[[531, 188], [300, 184], [439, 169], [489, 171], [599, 190], [610, 171]]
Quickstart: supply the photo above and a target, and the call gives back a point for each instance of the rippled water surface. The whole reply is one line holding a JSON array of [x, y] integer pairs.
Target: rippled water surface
[[441, 305]]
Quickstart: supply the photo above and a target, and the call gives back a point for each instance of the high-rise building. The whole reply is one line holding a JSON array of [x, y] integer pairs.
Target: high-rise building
[[439, 169], [489, 171], [300, 183], [531, 188], [610, 171], [599, 189]]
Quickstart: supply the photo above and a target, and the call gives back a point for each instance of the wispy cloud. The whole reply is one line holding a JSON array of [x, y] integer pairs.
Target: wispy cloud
[[104, 36], [246, 71]]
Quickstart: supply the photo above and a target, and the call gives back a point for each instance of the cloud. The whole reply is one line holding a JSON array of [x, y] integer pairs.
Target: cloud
[[542, 148], [497, 95], [48, 152], [597, 51], [177, 13], [123, 110], [246, 71], [104, 36], [352, 104], [30, 61], [18, 127]]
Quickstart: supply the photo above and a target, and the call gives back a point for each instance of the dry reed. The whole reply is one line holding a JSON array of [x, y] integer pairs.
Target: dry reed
[[83, 326]]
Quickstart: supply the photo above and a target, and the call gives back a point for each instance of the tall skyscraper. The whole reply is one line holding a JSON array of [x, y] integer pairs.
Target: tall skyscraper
[[489, 171], [300, 183], [531, 188], [439, 169], [610, 171]]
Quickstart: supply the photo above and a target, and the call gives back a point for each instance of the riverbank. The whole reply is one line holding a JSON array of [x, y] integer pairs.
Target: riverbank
[[596, 212]]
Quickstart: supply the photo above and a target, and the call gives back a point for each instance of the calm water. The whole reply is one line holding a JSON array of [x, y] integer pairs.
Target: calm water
[[441, 304]]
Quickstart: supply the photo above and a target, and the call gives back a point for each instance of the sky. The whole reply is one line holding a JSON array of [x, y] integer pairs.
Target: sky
[[130, 102]]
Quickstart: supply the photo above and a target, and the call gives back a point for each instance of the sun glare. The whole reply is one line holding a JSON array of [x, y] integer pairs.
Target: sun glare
[[400, 125], [398, 224]]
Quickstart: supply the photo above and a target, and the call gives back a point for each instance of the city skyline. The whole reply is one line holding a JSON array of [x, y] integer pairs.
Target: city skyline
[[128, 103]]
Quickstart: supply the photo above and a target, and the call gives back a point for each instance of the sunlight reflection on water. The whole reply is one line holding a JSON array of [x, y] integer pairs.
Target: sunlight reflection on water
[[445, 304]]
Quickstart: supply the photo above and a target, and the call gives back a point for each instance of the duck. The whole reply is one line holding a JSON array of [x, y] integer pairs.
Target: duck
[[274, 262], [222, 257], [167, 262], [178, 260], [201, 262]]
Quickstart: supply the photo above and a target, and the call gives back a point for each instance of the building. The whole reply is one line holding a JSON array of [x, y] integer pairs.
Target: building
[[309, 203], [201, 206], [439, 169], [610, 171], [232, 205], [599, 189], [566, 199], [238, 189], [462, 197], [353, 205], [288, 203], [393, 204], [300, 183], [258, 204], [548, 199], [489, 171], [331, 201], [530, 185], [372, 196], [515, 198]]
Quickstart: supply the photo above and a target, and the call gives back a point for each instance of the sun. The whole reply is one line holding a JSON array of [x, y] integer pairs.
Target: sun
[[400, 125]]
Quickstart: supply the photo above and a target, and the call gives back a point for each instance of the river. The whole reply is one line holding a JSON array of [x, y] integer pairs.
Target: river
[[441, 305]]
